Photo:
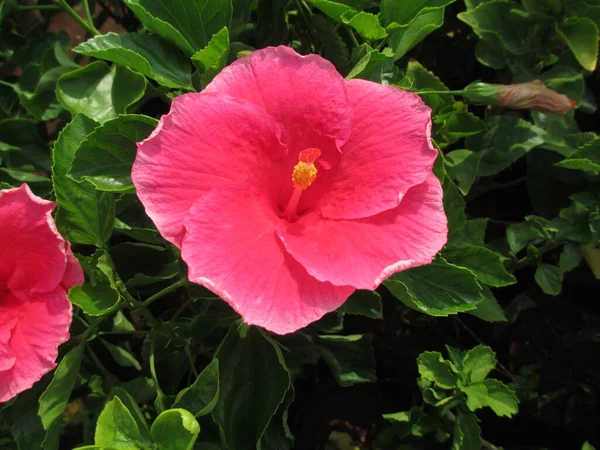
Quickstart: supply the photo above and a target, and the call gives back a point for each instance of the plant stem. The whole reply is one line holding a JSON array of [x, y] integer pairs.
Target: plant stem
[[90, 28], [162, 293], [439, 92], [34, 7], [88, 13], [354, 40]]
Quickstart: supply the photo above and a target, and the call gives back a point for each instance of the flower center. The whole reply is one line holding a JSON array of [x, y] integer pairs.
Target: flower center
[[303, 175]]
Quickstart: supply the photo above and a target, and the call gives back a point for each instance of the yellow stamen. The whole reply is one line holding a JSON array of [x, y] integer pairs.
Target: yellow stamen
[[303, 176]]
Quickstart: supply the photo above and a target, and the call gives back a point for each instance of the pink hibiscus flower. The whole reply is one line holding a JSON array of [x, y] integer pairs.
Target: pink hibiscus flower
[[287, 187], [36, 269]]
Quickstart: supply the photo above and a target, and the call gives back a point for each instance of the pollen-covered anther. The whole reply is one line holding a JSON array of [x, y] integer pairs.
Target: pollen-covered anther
[[305, 172], [303, 175]]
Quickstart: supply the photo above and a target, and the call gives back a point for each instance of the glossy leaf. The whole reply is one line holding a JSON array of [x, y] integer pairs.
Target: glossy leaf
[[175, 429], [212, 58], [486, 264], [433, 367], [253, 380], [364, 303], [438, 289], [100, 92], [506, 139], [549, 278], [189, 24], [581, 35], [144, 53], [106, 156], [350, 358], [201, 397], [84, 215], [56, 396], [116, 429]]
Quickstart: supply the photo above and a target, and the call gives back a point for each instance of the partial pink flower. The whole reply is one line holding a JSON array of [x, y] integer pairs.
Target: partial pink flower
[[37, 268], [287, 187]]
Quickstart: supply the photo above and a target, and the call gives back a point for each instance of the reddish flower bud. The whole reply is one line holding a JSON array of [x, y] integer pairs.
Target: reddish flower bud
[[532, 95]]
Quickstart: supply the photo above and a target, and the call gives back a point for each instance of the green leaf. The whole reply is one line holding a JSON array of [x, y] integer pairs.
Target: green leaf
[[433, 367], [253, 380], [130, 403], [402, 12], [369, 63], [452, 124], [99, 295], [366, 24], [121, 356], [144, 53], [586, 158], [189, 24], [201, 397], [212, 58], [506, 139], [569, 258], [334, 9], [492, 393], [551, 7], [100, 92], [350, 358], [489, 309], [438, 289], [116, 428], [486, 264], [175, 429], [403, 38], [549, 278], [56, 396], [581, 36], [587, 446], [500, 21], [84, 215], [106, 156], [466, 434], [423, 80], [462, 166], [364, 303], [520, 234], [478, 363]]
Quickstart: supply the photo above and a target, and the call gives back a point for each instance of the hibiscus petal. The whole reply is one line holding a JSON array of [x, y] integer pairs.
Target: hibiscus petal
[[73, 273], [231, 248], [304, 94], [388, 152], [42, 325], [362, 253], [205, 142], [32, 253], [7, 357]]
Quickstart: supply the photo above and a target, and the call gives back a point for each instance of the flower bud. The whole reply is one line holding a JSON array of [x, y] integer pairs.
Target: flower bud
[[532, 95]]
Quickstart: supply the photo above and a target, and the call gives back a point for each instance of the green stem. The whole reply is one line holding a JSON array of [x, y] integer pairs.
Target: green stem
[[354, 40], [90, 28], [33, 7], [162, 293], [88, 13], [381, 44], [439, 92]]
